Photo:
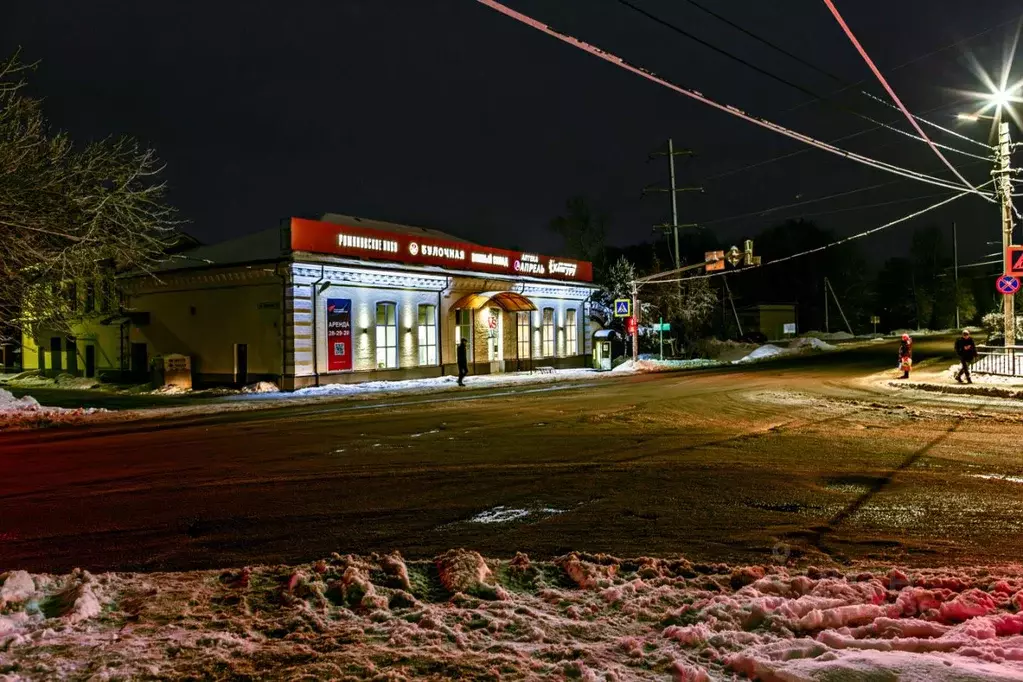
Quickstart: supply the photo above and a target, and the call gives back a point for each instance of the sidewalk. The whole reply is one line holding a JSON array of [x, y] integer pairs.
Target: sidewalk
[[937, 377]]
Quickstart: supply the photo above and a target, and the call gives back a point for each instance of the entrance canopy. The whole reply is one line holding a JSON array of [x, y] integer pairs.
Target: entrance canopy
[[508, 301]]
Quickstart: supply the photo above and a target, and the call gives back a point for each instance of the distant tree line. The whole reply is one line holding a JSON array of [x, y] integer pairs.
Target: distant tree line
[[914, 291]]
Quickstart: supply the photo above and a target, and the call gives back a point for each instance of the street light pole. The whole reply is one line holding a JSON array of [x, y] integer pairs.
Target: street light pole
[[1003, 181]]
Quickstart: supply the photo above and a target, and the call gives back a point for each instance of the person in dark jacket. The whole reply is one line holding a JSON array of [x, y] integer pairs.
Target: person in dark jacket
[[906, 355], [966, 349], [463, 361]]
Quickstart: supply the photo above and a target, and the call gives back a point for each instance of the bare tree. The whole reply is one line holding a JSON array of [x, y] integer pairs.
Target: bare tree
[[69, 213]]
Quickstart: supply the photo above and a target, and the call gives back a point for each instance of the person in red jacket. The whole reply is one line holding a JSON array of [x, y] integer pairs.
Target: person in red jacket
[[906, 356]]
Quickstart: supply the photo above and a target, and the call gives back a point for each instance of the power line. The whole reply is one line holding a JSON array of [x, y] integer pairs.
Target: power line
[[859, 207], [837, 242], [891, 92], [734, 111], [806, 91]]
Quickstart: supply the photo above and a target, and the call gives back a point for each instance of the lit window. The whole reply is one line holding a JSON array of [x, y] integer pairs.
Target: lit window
[[427, 335], [387, 336], [522, 326], [571, 334], [548, 332], [463, 328]]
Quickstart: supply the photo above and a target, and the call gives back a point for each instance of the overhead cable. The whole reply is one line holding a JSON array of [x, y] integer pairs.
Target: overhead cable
[[734, 111], [891, 92], [837, 242], [806, 91]]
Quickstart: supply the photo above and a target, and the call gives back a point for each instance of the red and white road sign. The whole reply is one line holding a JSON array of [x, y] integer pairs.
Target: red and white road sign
[[1014, 261], [631, 326]]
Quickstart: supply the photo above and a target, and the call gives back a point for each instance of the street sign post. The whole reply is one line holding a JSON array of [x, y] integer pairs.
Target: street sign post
[[662, 327], [875, 320], [1007, 285], [1014, 261], [623, 307], [734, 256]]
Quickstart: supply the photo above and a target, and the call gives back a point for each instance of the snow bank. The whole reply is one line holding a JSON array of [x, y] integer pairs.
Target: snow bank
[[461, 616], [64, 381], [261, 387], [763, 352], [648, 366], [810, 343], [800, 345], [26, 411]]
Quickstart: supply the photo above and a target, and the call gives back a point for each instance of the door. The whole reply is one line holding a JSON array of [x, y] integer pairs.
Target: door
[[139, 361], [241, 363], [72, 356], [56, 349], [90, 361]]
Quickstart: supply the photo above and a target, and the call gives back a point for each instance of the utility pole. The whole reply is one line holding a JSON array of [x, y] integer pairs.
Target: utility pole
[[1003, 180], [673, 191], [955, 261]]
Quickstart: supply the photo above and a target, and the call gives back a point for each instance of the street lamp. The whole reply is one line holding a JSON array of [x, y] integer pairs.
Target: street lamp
[[1000, 100]]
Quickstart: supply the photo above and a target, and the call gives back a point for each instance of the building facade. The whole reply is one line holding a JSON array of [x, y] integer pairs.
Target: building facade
[[344, 299]]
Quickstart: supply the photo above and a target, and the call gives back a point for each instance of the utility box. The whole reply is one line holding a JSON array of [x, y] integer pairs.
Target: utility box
[[174, 370], [607, 345]]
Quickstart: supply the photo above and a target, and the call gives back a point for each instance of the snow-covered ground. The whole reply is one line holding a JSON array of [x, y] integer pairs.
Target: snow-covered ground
[[460, 616], [26, 411]]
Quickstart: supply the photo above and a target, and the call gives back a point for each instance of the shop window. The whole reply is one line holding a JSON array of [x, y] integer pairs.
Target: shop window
[[548, 332], [571, 334], [387, 336], [522, 325], [427, 335], [463, 328]]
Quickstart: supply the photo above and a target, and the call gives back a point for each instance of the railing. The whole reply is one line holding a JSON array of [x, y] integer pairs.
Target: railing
[[1001, 360]]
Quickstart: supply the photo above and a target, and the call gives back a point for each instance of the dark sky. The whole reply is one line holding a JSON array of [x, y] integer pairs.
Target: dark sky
[[446, 114]]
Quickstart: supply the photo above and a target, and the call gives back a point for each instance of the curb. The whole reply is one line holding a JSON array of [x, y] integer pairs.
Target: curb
[[989, 391]]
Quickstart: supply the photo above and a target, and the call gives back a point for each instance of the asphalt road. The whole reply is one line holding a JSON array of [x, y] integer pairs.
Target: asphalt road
[[798, 459]]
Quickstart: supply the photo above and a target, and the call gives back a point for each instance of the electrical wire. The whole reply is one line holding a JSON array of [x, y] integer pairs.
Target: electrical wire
[[891, 92], [837, 242], [930, 123], [734, 111], [806, 91]]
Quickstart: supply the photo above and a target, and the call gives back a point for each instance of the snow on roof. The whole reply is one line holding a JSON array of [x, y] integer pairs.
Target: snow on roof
[[258, 246]]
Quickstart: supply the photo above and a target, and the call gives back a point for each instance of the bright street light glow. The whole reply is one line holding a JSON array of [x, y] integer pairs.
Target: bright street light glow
[[968, 117]]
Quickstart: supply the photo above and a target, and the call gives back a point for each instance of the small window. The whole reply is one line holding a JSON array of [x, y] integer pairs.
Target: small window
[[90, 297], [548, 332], [427, 335], [571, 334], [387, 336], [522, 326], [72, 297]]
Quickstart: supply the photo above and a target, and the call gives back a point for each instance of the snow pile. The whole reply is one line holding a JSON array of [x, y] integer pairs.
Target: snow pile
[[26, 411], [825, 336], [261, 387], [461, 616], [811, 343], [647, 366], [763, 352]]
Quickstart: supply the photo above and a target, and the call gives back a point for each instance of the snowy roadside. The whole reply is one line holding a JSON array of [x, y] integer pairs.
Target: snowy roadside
[[27, 412], [460, 616]]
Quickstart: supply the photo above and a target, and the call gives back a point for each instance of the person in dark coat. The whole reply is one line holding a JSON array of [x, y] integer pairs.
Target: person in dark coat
[[463, 361], [906, 355], [966, 349]]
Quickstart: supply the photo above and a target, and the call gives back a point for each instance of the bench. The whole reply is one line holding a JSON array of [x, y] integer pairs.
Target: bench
[[546, 369]]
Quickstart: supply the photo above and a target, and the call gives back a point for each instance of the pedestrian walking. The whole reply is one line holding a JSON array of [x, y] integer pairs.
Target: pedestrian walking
[[463, 361], [966, 349], [905, 356]]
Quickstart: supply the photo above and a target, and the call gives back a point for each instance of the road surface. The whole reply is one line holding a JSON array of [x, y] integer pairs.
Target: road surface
[[799, 459]]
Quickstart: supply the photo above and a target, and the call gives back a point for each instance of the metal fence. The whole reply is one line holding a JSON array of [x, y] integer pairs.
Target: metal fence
[[1001, 360]]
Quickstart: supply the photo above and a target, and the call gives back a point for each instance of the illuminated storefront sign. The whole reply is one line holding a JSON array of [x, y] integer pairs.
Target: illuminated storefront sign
[[339, 334], [314, 236]]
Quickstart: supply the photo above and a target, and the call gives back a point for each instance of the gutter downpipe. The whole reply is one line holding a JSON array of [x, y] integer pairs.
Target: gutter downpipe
[[282, 273], [314, 294]]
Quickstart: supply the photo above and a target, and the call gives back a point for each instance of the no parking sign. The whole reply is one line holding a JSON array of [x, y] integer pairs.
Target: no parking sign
[[1007, 284]]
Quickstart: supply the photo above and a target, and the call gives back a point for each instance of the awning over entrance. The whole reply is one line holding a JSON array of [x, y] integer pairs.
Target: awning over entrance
[[508, 301]]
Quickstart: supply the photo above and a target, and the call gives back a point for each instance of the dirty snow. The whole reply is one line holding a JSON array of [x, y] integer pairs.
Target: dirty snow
[[463, 616], [800, 345], [653, 365], [26, 411], [502, 514], [261, 387], [63, 381]]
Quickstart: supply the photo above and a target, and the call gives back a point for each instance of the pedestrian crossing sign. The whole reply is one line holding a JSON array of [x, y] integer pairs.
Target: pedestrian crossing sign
[[623, 307], [1015, 261]]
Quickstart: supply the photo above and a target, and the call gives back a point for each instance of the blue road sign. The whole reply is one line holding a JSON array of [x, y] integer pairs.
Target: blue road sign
[[1007, 284], [623, 307]]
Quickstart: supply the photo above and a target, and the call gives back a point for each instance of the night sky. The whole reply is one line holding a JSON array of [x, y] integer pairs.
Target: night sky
[[445, 114]]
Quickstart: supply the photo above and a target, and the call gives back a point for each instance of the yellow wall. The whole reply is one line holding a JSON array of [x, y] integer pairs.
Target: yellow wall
[[206, 320], [105, 338]]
